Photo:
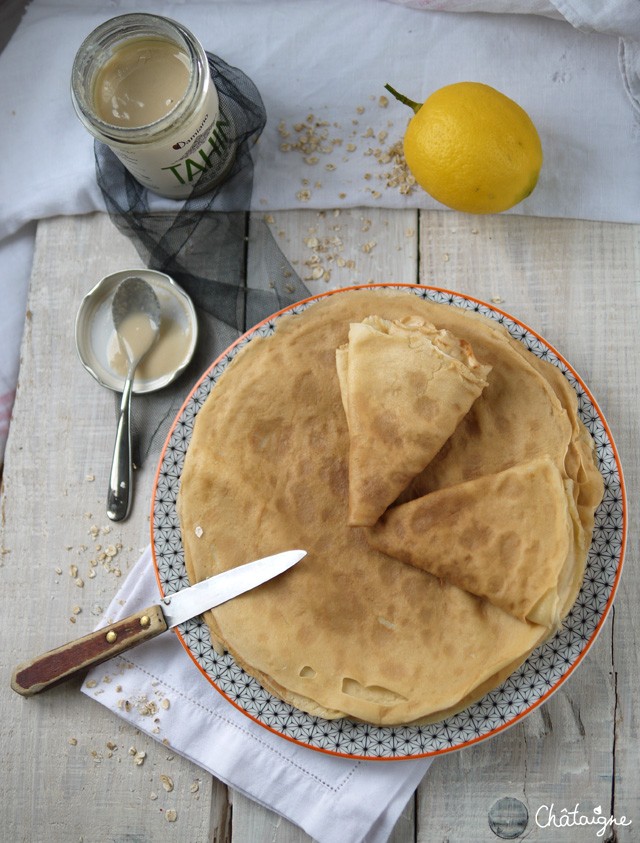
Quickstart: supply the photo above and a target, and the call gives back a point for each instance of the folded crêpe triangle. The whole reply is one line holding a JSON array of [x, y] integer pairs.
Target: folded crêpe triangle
[[512, 538], [405, 387]]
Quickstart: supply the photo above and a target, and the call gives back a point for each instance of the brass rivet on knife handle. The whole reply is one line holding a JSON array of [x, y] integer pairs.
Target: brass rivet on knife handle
[[63, 662]]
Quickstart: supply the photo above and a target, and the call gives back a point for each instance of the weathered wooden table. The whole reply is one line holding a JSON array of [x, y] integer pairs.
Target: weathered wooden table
[[67, 772]]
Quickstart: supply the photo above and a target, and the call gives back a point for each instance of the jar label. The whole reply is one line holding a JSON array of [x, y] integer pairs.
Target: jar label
[[196, 156]]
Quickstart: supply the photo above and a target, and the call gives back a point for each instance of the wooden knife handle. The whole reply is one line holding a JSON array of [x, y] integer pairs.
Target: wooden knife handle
[[63, 662]]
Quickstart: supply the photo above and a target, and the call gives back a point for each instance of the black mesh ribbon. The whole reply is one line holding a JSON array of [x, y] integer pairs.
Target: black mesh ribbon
[[203, 244]]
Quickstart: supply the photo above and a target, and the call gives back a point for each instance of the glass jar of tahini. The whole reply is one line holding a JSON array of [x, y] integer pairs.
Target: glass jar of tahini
[[141, 84]]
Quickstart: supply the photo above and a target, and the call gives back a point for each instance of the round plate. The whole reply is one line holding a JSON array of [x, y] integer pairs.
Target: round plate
[[532, 683], [94, 328]]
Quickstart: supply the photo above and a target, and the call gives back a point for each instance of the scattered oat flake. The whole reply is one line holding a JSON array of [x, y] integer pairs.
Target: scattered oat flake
[[147, 708], [165, 704], [195, 786], [73, 570], [167, 783], [397, 175], [308, 137], [73, 741], [90, 478], [171, 815]]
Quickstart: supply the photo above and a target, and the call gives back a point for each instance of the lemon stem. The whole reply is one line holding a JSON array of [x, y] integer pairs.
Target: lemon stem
[[401, 97]]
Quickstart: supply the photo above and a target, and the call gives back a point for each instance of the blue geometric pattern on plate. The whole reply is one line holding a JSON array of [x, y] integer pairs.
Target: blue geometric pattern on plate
[[543, 671]]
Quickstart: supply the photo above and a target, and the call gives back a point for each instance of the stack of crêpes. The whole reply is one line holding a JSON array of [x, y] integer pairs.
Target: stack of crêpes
[[440, 479]]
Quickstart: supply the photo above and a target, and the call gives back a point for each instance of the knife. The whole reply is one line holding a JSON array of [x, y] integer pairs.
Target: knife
[[108, 641]]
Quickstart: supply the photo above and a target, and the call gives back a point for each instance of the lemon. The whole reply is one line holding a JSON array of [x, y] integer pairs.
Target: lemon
[[472, 148]]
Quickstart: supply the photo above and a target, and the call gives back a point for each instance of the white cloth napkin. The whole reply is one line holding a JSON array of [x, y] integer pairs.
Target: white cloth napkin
[[331, 798]]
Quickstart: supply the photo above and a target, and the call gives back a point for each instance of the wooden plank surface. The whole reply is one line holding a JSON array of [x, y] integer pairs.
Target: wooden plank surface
[[72, 775]]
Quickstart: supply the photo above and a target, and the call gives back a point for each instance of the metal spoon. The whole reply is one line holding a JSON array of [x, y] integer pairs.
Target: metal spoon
[[136, 315]]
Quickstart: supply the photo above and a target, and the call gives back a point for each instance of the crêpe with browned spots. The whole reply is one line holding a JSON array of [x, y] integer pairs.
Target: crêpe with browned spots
[[405, 387], [351, 630], [511, 538]]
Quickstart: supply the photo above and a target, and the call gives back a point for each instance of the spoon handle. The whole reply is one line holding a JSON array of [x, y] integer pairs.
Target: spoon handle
[[121, 477]]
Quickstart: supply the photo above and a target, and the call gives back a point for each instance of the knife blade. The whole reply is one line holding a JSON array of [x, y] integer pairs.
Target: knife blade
[[64, 662]]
